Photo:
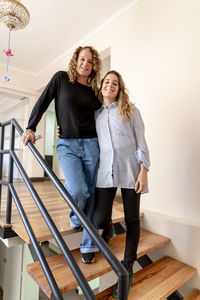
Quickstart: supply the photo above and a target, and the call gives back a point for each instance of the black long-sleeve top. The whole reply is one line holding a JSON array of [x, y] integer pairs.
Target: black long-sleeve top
[[75, 104]]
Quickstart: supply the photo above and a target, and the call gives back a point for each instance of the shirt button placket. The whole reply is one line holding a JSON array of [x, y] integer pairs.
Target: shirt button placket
[[112, 152]]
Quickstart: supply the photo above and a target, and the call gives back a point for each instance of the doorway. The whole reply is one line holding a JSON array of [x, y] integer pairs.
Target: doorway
[[49, 135]]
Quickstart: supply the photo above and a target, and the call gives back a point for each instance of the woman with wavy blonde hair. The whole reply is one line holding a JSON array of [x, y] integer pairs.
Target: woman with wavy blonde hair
[[77, 147], [95, 75], [124, 162]]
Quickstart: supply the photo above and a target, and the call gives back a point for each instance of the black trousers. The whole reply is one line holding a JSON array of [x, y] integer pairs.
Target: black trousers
[[103, 213]]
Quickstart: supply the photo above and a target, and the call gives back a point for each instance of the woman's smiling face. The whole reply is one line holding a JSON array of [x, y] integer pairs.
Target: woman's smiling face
[[84, 63], [110, 87]]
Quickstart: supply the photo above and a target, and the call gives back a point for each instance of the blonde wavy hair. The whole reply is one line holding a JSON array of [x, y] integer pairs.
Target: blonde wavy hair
[[95, 76], [125, 106]]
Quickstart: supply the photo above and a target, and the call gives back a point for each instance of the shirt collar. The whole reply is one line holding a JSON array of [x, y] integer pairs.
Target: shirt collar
[[112, 105]]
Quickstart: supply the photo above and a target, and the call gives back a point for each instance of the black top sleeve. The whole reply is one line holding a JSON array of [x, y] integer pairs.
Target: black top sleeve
[[43, 102], [75, 104]]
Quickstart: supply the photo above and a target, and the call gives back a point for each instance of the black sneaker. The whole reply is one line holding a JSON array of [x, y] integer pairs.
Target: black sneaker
[[78, 228], [88, 258], [129, 267], [75, 227]]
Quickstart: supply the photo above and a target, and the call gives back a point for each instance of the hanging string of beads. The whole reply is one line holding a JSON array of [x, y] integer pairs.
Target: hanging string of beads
[[15, 16], [8, 54]]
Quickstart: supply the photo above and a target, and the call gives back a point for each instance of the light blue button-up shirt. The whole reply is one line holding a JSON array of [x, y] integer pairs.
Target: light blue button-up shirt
[[122, 147]]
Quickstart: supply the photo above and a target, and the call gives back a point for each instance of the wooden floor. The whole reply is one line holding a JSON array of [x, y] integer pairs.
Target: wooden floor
[[55, 204]]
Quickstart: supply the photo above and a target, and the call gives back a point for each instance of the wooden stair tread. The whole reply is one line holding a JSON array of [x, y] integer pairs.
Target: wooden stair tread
[[156, 281], [63, 275], [62, 222], [161, 280], [41, 229], [194, 295]]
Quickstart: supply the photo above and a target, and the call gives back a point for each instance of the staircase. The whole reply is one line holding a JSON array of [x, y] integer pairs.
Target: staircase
[[63, 275], [156, 280]]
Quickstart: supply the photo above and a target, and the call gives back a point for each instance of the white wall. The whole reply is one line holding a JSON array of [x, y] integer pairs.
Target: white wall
[[18, 80], [10, 271], [49, 135], [30, 163], [155, 45], [21, 111], [184, 245], [16, 111]]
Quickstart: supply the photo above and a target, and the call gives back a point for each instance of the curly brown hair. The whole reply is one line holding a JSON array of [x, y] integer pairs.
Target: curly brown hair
[[125, 106], [95, 76]]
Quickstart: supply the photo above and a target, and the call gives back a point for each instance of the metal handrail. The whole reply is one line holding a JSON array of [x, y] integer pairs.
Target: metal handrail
[[111, 258], [47, 271], [56, 234]]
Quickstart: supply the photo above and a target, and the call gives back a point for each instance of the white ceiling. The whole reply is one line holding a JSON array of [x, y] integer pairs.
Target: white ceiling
[[55, 27]]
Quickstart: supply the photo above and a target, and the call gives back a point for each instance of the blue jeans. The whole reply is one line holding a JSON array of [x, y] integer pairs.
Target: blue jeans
[[79, 159]]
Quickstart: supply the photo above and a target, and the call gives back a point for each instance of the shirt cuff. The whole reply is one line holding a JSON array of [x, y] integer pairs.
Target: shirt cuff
[[143, 157]]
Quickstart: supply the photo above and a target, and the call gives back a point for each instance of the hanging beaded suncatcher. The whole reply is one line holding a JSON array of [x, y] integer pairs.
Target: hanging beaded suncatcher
[[8, 53], [15, 16]]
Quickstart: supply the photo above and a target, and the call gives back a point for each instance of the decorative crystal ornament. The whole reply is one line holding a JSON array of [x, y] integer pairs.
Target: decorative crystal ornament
[[14, 14]]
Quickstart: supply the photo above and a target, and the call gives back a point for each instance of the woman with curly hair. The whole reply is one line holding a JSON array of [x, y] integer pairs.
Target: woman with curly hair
[[75, 94], [124, 162]]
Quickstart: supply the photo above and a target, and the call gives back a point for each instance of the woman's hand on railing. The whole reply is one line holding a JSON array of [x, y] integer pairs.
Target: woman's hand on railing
[[28, 135]]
